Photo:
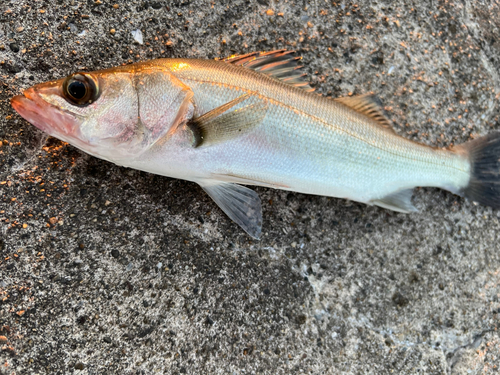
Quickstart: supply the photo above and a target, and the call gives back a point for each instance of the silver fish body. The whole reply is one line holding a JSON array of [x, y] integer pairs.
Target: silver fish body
[[305, 143], [252, 121]]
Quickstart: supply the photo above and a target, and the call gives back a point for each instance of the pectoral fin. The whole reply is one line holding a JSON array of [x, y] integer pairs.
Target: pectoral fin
[[240, 203], [400, 202], [219, 125]]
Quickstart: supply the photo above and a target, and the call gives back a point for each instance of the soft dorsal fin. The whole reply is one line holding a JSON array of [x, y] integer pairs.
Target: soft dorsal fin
[[369, 105], [279, 64]]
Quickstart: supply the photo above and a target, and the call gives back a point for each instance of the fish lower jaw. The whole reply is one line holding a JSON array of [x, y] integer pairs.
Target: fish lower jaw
[[43, 115]]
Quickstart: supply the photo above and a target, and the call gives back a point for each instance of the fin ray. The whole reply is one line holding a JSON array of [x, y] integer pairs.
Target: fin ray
[[370, 106], [399, 201], [218, 125], [279, 64], [240, 203], [484, 183]]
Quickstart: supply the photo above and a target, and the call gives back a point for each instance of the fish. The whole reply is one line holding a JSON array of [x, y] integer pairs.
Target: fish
[[253, 119]]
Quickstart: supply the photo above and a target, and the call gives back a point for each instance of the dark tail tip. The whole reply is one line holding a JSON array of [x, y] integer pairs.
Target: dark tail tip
[[484, 184]]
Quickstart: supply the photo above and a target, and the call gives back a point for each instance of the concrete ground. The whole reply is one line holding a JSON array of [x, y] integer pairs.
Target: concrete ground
[[107, 270]]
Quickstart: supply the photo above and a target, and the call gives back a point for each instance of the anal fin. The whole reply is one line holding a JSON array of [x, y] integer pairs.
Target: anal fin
[[400, 202], [240, 203]]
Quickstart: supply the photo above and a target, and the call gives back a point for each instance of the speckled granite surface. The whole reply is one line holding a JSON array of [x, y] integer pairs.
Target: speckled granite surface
[[106, 270]]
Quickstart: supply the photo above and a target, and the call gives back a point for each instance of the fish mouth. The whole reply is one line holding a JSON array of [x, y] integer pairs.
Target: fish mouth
[[43, 115]]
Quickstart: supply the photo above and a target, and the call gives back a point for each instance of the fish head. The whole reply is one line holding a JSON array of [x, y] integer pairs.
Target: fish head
[[92, 111], [100, 112]]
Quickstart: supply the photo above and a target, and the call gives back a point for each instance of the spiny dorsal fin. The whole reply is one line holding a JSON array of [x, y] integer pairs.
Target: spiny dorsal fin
[[369, 105], [279, 64]]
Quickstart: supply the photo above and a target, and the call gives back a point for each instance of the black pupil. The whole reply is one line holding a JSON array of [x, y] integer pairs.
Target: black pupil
[[77, 89]]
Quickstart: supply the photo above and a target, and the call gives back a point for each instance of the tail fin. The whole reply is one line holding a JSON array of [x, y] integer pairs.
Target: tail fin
[[484, 156]]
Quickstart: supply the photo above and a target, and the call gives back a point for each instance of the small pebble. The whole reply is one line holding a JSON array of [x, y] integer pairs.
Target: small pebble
[[137, 34], [79, 366], [107, 340], [115, 253], [14, 47], [112, 31], [270, 12]]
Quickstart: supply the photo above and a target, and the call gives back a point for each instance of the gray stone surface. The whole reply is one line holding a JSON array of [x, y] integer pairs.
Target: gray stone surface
[[106, 270]]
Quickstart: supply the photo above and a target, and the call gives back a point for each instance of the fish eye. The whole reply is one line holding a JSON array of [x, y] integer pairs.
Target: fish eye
[[80, 89]]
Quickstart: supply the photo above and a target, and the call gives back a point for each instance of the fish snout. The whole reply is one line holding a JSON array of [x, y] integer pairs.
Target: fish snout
[[41, 114], [29, 110]]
